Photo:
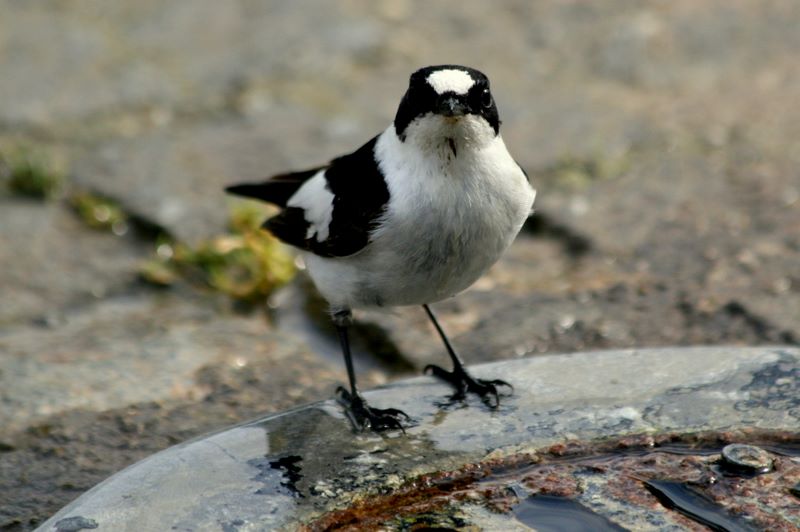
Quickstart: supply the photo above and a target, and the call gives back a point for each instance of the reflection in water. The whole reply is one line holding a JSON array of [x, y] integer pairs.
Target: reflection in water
[[547, 513], [313, 452], [290, 468], [681, 497]]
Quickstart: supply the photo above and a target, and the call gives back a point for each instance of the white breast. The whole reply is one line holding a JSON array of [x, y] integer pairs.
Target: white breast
[[448, 220]]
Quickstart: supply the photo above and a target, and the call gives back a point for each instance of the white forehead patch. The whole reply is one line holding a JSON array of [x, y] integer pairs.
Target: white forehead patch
[[456, 81]]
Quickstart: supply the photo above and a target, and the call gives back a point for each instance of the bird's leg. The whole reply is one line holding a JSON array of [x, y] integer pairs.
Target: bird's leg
[[459, 378], [361, 415]]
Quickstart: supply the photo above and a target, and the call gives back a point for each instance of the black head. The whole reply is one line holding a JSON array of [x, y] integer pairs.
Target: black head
[[446, 90]]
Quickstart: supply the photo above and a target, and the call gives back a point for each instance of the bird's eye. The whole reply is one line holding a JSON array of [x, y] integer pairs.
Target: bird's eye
[[486, 98]]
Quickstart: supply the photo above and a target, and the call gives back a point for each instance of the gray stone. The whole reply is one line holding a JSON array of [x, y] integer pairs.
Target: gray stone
[[51, 261], [75, 524], [200, 161], [100, 58], [498, 325], [244, 474], [131, 349]]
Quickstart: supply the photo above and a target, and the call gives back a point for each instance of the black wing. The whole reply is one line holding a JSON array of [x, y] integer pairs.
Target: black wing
[[277, 189], [360, 195]]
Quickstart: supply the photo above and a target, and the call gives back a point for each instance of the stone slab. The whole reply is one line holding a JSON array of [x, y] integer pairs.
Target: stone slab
[[228, 479], [49, 260], [131, 349]]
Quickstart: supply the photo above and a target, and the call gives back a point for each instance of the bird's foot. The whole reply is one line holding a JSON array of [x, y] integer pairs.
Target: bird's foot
[[364, 417], [465, 383]]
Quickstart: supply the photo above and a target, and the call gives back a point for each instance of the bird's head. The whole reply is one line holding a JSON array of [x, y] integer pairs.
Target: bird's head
[[447, 103]]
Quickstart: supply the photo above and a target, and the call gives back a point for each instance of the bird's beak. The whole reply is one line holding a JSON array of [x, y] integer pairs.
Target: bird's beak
[[451, 106]]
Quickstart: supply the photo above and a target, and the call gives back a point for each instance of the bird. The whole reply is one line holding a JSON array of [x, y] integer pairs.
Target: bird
[[414, 216]]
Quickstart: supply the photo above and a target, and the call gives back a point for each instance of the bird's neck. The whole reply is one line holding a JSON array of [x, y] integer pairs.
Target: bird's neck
[[444, 141]]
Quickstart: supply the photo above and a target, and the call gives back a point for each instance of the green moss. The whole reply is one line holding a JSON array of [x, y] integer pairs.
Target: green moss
[[247, 263], [29, 173], [444, 518], [99, 212]]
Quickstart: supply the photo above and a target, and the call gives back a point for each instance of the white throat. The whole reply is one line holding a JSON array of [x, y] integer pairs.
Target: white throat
[[435, 134]]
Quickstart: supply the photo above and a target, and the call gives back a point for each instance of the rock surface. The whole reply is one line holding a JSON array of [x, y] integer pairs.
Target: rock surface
[[296, 467], [660, 137]]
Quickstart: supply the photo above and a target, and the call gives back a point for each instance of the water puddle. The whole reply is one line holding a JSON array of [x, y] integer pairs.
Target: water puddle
[[687, 500], [546, 513], [290, 467]]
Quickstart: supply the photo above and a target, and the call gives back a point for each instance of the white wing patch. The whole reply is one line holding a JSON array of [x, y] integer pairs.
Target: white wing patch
[[317, 203], [450, 80]]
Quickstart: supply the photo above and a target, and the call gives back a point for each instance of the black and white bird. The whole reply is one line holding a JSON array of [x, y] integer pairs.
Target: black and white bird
[[414, 216]]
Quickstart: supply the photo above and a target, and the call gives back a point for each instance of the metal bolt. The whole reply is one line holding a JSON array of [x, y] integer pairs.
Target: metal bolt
[[744, 458]]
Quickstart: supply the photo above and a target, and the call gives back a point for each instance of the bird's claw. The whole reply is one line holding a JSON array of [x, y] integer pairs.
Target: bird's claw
[[465, 383], [363, 417]]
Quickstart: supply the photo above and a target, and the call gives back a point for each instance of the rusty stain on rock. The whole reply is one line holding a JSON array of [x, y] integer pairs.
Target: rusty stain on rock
[[624, 467], [657, 416]]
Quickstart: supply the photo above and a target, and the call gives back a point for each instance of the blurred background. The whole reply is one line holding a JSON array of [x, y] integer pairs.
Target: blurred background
[[141, 307]]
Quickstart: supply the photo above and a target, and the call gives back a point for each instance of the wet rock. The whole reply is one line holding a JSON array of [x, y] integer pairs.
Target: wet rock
[[691, 503], [308, 466], [229, 376], [75, 524], [545, 510]]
